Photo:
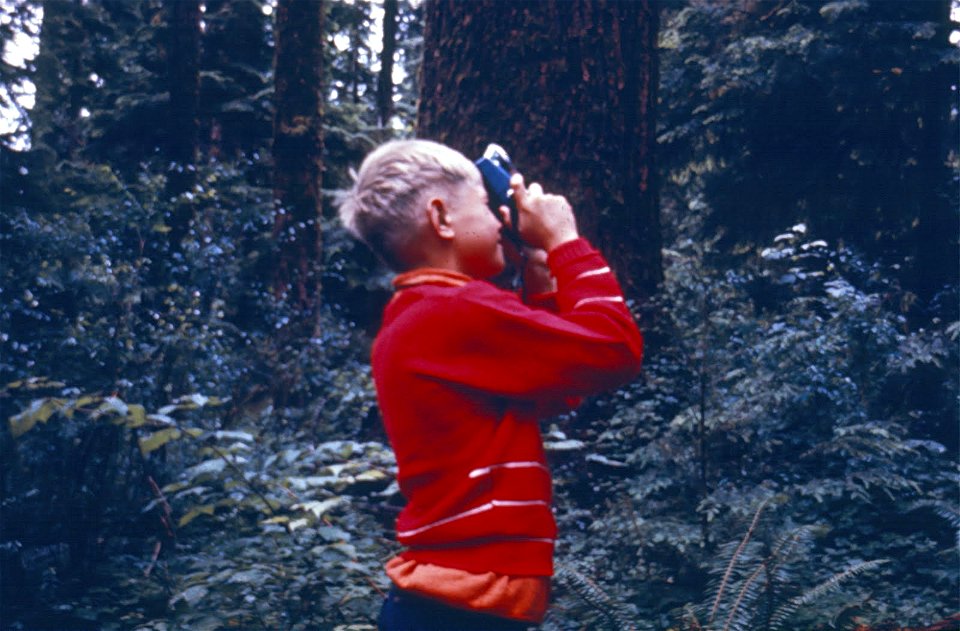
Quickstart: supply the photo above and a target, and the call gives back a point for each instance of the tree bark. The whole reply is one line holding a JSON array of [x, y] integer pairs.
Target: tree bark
[[183, 131], [297, 154], [391, 12], [569, 88]]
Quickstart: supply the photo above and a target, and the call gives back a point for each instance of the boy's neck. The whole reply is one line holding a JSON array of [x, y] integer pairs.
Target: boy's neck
[[440, 259], [431, 276]]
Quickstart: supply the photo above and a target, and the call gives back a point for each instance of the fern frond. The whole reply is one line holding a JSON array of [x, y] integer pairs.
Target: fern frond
[[690, 619], [733, 561], [801, 536], [748, 593], [783, 613], [593, 595]]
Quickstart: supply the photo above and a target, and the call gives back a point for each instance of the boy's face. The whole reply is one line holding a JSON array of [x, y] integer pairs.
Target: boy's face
[[477, 240]]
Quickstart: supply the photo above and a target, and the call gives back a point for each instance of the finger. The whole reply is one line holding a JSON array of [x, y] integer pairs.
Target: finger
[[535, 189], [505, 216], [519, 190]]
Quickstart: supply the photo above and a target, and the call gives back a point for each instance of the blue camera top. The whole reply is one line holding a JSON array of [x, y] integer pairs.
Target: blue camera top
[[496, 169]]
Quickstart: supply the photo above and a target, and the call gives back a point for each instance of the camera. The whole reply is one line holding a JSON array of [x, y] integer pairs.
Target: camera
[[496, 169]]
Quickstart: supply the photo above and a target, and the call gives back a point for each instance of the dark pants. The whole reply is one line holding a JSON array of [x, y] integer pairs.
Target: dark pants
[[403, 611]]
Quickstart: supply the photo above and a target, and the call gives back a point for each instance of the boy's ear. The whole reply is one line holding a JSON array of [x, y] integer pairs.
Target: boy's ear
[[438, 216]]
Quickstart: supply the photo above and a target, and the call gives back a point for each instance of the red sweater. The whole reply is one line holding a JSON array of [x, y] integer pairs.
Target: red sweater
[[463, 371]]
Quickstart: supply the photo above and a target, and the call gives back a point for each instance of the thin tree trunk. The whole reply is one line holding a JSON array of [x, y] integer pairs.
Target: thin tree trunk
[[385, 79], [183, 81], [297, 153]]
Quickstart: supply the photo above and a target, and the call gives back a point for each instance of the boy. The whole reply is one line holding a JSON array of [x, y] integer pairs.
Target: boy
[[463, 372]]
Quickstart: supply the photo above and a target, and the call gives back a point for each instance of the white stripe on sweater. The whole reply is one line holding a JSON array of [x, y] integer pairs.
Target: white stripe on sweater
[[593, 272], [469, 513], [598, 299], [476, 473]]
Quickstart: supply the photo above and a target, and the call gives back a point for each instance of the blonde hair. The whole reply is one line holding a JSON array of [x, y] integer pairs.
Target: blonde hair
[[383, 208]]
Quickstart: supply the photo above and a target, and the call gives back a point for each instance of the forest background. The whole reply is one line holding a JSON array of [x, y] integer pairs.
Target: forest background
[[191, 438]]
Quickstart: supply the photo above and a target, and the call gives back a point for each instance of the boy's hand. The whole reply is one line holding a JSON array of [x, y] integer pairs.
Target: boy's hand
[[546, 220], [537, 278]]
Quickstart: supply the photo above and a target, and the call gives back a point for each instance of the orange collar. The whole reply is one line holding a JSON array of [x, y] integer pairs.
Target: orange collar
[[430, 276]]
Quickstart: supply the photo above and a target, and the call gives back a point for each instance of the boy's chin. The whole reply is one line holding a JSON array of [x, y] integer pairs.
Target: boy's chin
[[499, 266]]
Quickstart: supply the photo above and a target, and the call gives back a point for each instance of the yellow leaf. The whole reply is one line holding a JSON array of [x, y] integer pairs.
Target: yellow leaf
[[136, 417], [174, 487], [195, 512], [157, 440], [40, 411]]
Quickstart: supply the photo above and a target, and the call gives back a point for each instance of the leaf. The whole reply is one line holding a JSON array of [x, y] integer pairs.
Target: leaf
[[318, 508], [161, 419], [72, 407], [234, 435], [111, 405], [174, 487], [40, 411], [214, 465], [191, 595], [332, 534], [157, 440], [571, 444], [302, 484], [196, 511], [255, 576], [35, 383], [192, 401], [137, 416], [346, 549]]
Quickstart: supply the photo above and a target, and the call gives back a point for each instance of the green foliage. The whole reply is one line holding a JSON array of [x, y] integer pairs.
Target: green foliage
[[806, 403], [756, 588], [786, 461], [300, 545], [768, 106], [291, 512]]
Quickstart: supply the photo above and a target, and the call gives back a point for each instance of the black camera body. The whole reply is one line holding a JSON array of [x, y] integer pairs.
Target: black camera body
[[496, 169]]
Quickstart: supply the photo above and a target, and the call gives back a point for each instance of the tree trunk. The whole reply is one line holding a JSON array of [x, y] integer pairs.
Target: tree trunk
[[391, 11], [297, 154], [568, 87], [183, 131]]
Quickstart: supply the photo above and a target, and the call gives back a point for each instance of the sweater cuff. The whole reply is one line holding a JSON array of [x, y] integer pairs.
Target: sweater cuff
[[569, 251]]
